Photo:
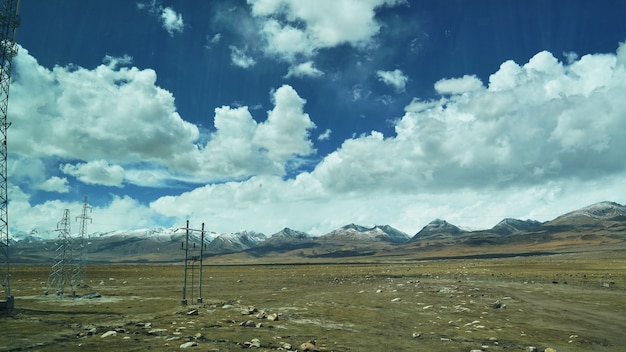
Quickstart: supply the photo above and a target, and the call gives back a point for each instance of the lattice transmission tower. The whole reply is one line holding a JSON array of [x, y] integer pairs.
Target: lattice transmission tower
[[63, 271], [81, 270], [9, 21]]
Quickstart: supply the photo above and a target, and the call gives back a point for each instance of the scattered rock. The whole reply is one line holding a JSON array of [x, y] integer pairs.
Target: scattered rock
[[285, 346], [254, 343], [531, 349], [250, 324], [108, 334], [189, 344], [156, 331], [272, 317], [497, 304], [309, 346], [192, 312], [416, 335], [397, 299], [549, 349]]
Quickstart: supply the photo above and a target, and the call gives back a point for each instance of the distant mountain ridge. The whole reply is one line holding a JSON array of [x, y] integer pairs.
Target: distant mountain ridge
[[509, 226], [235, 242], [353, 232], [604, 222], [437, 227], [592, 213]]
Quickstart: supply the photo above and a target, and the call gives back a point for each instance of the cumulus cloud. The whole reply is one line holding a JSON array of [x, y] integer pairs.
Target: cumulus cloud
[[538, 122], [305, 69], [396, 79], [458, 85], [324, 136], [239, 58], [98, 172], [171, 21], [55, 184], [80, 117], [211, 41], [120, 213], [241, 147], [298, 29], [533, 138], [110, 112]]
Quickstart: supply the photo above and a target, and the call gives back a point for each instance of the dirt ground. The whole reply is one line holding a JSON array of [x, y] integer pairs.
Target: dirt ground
[[567, 302]]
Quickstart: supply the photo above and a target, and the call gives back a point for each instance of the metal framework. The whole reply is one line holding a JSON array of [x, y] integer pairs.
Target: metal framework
[[63, 270], [9, 21], [81, 269], [190, 263]]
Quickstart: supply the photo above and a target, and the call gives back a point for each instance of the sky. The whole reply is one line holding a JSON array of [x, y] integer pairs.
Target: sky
[[263, 114]]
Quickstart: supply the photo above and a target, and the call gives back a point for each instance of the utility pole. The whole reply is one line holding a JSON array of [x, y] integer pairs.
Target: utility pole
[[186, 249], [188, 266], [62, 271], [9, 21], [201, 254], [80, 273]]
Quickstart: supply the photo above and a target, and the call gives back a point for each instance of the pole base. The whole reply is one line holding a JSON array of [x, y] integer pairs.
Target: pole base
[[7, 304]]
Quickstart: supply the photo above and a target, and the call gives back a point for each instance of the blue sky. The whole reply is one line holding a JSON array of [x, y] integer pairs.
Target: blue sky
[[266, 114]]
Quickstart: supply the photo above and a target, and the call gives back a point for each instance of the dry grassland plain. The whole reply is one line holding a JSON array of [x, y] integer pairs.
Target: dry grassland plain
[[569, 302]]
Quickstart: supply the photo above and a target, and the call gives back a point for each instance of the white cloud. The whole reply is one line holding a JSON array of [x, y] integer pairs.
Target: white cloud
[[396, 79], [81, 117], [239, 58], [55, 184], [621, 54], [213, 40], [296, 29], [305, 69], [241, 147], [113, 113], [98, 172], [171, 21], [324, 136], [543, 121], [542, 139], [458, 85]]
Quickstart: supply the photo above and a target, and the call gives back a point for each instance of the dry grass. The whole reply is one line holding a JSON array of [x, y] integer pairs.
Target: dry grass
[[419, 305]]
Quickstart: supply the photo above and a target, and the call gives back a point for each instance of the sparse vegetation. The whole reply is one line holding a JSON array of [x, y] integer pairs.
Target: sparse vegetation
[[570, 302]]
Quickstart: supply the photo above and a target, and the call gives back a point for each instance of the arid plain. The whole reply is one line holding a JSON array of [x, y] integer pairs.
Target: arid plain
[[569, 301]]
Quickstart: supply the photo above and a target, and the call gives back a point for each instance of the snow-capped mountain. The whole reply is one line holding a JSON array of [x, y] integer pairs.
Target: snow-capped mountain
[[438, 227], [602, 210], [605, 220], [353, 232], [24, 237], [286, 235], [157, 233], [508, 226], [235, 242]]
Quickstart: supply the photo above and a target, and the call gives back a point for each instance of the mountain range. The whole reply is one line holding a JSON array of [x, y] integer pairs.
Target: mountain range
[[596, 225]]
